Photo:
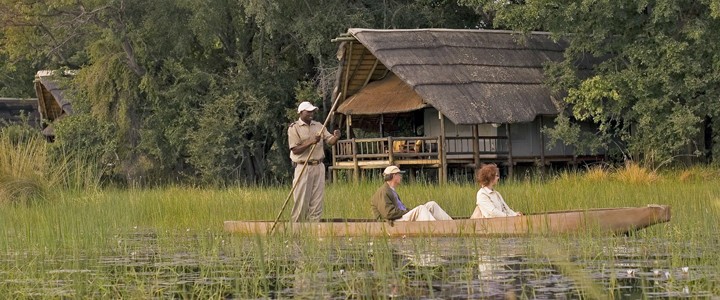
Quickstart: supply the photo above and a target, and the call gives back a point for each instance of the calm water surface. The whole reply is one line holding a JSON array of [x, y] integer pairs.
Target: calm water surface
[[204, 265]]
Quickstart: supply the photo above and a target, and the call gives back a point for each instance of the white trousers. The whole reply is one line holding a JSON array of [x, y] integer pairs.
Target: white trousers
[[430, 211]]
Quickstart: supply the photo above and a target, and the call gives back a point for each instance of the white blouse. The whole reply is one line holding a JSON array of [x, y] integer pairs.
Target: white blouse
[[491, 204]]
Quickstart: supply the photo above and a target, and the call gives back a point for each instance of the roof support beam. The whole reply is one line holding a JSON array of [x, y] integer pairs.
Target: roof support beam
[[357, 66], [41, 102], [347, 69], [372, 70]]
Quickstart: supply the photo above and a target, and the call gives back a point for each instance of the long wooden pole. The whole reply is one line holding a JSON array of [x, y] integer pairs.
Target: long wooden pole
[[302, 171]]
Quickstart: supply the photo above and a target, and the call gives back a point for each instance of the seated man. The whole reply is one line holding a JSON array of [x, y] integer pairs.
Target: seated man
[[386, 203]]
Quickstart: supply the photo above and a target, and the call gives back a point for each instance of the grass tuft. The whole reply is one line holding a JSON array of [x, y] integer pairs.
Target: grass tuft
[[635, 174], [21, 190], [596, 174], [22, 162], [29, 172], [697, 173]]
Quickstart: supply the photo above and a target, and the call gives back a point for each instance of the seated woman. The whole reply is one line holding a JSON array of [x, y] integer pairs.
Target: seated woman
[[490, 203]]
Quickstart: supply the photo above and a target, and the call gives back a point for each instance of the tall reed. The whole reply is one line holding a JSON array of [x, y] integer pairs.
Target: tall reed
[[22, 164], [169, 243], [31, 171]]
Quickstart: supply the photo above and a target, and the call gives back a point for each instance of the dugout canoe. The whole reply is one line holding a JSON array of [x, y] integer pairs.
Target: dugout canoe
[[604, 220]]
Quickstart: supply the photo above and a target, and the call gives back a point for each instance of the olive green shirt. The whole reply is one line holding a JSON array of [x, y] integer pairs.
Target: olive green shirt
[[384, 204]]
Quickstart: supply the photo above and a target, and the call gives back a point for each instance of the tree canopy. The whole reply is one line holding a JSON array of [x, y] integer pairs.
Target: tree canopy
[[203, 90], [655, 84], [192, 90]]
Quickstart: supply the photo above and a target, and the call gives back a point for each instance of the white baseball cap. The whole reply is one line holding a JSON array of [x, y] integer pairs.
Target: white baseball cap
[[306, 106], [392, 170]]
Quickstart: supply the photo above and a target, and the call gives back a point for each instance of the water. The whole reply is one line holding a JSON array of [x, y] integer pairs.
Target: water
[[205, 265]]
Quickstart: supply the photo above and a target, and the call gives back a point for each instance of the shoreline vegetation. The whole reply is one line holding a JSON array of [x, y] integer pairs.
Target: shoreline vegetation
[[64, 235]]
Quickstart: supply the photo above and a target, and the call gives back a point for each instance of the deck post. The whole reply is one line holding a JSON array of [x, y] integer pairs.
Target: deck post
[[391, 158], [381, 125], [348, 123], [542, 146], [476, 146], [334, 163], [509, 141], [356, 167], [442, 150]]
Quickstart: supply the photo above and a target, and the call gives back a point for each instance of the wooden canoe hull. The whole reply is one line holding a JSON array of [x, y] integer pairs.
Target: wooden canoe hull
[[606, 220]]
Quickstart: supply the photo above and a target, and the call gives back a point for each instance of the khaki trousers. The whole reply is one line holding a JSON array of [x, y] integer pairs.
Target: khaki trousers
[[430, 211], [308, 194]]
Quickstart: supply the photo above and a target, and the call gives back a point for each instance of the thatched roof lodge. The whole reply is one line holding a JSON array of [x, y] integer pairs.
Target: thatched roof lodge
[[477, 94], [51, 101]]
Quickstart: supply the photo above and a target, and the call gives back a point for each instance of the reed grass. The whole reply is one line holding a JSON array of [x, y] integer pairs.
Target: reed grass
[[30, 171], [168, 242]]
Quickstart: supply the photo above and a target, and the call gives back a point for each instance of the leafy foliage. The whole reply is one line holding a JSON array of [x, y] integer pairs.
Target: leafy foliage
[[195, 90], [656, 67]]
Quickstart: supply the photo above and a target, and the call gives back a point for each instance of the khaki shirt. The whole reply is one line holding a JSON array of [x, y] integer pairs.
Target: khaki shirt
[[299, 132]]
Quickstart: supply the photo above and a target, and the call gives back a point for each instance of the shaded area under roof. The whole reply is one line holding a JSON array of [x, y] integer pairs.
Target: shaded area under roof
[[471, 76], [389, 95], [16, 110]]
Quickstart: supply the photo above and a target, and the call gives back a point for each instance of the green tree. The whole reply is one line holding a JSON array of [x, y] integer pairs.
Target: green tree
[[187, 89], [656, 67]]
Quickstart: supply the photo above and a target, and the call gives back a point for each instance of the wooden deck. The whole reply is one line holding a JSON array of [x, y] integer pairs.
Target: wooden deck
[[428, 152]]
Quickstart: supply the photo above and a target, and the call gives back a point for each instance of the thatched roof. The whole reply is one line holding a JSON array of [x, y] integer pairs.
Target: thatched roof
[[51, 97], [389, 95], [471, 76]]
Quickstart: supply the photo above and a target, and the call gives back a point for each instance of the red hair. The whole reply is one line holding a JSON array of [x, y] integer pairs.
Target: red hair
[[486, 174]]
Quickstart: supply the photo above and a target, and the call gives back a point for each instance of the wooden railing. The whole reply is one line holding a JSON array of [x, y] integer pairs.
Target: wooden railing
[[414, 148], [386, 148], [486, 145]]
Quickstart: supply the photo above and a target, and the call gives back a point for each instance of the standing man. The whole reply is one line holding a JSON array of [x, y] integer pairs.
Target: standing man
[[309, 188]]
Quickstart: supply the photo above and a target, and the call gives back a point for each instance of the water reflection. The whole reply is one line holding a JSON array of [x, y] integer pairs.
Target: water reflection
[[206, 265]]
